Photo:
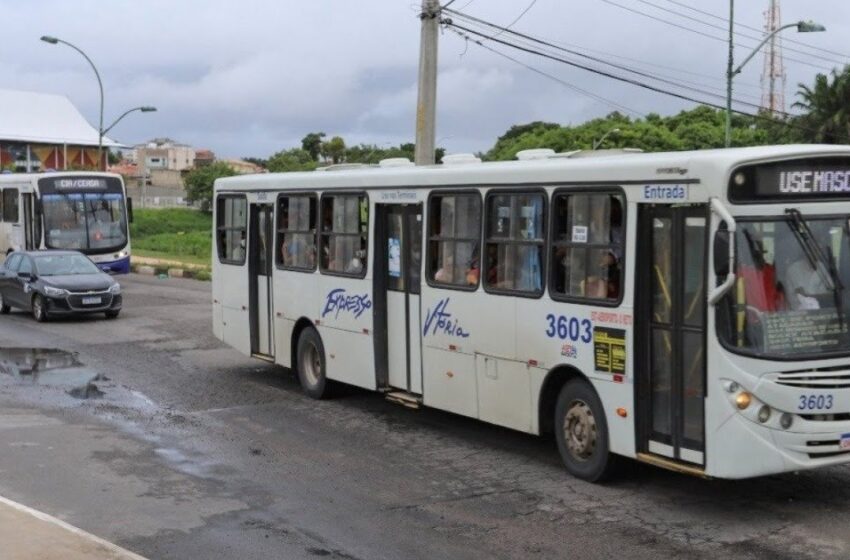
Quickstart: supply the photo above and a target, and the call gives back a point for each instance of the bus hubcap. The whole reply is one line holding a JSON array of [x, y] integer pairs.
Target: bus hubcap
[[580, 430], [312, 364]]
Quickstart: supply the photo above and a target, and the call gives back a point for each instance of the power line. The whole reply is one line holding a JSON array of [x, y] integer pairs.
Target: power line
[[566, 84], [519, 17], [702, 22], [631, 81], [750, 27], [677, 82], [698, 32], [589, 57]]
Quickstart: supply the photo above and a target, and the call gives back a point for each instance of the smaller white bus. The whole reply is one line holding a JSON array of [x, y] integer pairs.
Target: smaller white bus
[[84, 211], [689, 310]]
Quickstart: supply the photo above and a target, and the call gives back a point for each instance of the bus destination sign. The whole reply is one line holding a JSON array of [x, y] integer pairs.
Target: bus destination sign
[[803, 180], [80, 184], [812, 179]]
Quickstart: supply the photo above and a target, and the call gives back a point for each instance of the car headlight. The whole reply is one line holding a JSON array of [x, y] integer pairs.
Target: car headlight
[[115, 288], [55, 292]]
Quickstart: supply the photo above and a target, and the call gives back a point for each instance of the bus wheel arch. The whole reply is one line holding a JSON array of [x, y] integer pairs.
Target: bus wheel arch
[[300, 325], [549, 391], [311, 364]]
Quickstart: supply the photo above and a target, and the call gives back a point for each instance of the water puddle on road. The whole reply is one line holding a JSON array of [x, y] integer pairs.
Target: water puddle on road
[[51, 367]]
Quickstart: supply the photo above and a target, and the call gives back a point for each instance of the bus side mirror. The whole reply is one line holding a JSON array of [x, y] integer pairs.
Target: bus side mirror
[[721, 251], [130, 209]]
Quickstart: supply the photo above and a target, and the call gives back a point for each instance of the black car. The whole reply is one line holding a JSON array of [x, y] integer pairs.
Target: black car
[[54, 283]]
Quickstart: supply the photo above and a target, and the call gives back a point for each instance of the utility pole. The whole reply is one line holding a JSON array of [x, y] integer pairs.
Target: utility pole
[[426, 107], [729, 75]]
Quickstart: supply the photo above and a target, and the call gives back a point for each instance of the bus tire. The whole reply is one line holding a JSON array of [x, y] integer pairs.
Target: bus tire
[[581, 431], [311, 364], [39, 308]]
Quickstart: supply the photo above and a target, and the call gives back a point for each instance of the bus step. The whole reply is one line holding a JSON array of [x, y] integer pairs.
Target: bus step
[[404, 399]]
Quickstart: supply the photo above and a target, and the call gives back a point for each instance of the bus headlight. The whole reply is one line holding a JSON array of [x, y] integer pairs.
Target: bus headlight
[[764, 414], [786, 420], [743, 400]]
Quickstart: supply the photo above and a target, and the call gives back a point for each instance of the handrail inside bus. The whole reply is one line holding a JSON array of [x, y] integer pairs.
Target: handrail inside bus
[[719, 291]]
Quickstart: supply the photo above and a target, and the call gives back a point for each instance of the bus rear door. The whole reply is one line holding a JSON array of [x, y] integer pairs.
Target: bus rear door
[[398, 250], [670, 384]]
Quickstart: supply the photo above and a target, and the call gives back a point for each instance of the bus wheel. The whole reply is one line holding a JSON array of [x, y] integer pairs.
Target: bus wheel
[[39, 308], [311, 364], [582, 432]]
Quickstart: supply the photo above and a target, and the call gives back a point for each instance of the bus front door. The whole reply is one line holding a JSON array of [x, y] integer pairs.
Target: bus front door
[[398, 250], [671, 358], [260, 266]]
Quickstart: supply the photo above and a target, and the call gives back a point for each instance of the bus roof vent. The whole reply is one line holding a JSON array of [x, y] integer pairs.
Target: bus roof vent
[[395, 162], [600, 153], [460, 159], [343, 166], [538, 153]]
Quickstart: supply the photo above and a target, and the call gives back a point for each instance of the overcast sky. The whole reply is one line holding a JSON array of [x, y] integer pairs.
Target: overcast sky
[[249, 78]]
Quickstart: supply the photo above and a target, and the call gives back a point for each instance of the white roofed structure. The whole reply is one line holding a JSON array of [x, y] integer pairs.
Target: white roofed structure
[[40, 131]]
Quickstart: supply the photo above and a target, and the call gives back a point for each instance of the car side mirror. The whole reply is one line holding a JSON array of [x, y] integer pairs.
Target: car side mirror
[[721, 251]]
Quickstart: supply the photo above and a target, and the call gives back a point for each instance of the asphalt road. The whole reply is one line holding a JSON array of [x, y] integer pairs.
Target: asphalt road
[[181, 448]]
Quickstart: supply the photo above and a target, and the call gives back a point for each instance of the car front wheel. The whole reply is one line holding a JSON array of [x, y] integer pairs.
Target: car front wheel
[[4, 307], [39, 308], [112, 313]]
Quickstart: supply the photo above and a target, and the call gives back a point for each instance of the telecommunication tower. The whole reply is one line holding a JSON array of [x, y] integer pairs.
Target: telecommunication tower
[[773, 75]]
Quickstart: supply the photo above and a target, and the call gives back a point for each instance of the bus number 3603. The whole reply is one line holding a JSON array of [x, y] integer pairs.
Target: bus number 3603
[[569, 328], [815, 402]]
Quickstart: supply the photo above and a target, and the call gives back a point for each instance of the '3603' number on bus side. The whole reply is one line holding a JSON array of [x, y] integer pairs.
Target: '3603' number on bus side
[[569, 328], [815, 402]]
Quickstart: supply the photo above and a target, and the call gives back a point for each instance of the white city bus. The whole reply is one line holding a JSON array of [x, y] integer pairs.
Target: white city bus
[[84, 211], [684, 309]]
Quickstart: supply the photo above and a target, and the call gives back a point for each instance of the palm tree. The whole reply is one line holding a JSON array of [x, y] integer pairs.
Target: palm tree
[[827, 107]]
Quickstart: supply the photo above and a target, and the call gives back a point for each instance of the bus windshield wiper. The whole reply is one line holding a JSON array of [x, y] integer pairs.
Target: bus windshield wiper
[[812, 248], [819, 260]]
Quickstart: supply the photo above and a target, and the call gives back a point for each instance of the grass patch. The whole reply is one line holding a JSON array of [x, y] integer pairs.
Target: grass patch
[[172, 233]]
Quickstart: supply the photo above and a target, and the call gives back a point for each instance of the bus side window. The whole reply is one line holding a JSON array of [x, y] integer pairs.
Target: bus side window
[[231, 229], [345, 229], [454, 240], [10, 205], [587, 246], [296, 232], [515, 237]]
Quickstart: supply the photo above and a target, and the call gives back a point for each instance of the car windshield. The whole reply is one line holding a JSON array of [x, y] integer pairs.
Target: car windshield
[[790, 298], [86, 222], [64, 265]]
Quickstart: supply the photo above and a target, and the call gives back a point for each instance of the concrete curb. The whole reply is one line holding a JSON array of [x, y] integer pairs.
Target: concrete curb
[[41, 516]]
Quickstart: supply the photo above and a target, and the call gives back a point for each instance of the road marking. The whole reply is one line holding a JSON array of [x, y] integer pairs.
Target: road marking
[[76, 531]]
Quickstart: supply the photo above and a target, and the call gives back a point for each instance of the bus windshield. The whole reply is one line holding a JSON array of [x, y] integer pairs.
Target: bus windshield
[[89, 222], [790, 299]]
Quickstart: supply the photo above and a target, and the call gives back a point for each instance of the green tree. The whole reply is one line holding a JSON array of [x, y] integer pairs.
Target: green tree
[[199, 182], [294, 159], [312, 144], [334, 149], [827, 106]]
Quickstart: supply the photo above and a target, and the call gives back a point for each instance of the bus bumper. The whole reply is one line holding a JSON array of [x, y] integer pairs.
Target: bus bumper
[[121, 266]]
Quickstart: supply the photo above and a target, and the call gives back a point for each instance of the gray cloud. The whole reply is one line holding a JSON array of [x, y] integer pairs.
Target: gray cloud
[[252, 77]]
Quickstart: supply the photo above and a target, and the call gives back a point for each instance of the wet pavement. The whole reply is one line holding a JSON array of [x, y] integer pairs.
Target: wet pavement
[[147, 432]]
